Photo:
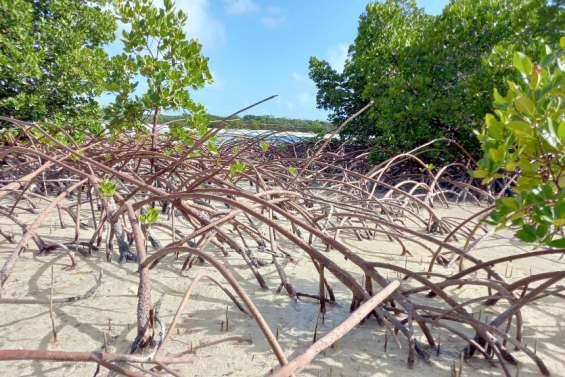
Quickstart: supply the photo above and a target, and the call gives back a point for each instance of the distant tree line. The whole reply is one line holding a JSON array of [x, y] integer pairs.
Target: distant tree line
[[265, 122], [431, 76]]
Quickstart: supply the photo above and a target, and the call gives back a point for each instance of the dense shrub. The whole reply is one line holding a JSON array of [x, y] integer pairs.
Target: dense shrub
[[525, 138], [52, 61], [430, 76]]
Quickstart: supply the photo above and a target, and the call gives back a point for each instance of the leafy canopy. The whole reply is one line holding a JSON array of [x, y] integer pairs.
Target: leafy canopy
[[157, 52], [525, 137], [430, 76], [52, 62]]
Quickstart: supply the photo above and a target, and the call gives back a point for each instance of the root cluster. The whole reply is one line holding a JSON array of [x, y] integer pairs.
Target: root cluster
[[308, 194]]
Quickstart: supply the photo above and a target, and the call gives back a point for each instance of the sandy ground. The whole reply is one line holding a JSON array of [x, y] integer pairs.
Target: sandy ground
[[81, 326]]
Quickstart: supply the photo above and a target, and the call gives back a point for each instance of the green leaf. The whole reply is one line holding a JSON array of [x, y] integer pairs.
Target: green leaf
[[479, 173], [522, 63], [495, 128], [521, 128], [292, 170], [561, 131], [496, 154], [527, 233], [509, 203], [558, 243], [541, 230], [525, 105], [498, 97], [559, 210], [212, 147], [562, 43]]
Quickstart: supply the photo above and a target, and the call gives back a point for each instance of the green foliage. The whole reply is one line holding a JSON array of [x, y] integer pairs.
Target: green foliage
[[264, 146], [107, 188], [8, 135], [526, 137], [263, 122], [292, 170], [386, 30], [157, 50], [266, 122], [52, 62], [430, 76], [237, 167], [150, 216]]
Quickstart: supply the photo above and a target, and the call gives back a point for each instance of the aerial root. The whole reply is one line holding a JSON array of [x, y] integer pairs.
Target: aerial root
[[286, 205]]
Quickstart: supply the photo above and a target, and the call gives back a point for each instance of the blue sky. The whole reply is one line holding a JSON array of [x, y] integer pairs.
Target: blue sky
[[261, 47]]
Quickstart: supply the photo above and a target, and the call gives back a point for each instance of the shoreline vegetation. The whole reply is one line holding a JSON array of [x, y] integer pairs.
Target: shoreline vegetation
[[262, 122]]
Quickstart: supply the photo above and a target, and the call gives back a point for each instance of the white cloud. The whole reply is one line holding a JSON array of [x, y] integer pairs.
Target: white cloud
[[202, 25], [304, 91], [240, 6], [272, 22], [209, 30], [305, 98], [337, 55], [300, 78], [273, 18]]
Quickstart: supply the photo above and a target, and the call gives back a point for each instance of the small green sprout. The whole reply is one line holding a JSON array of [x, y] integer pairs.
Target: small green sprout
[[150, 217], [107, 188], [264, 146], [237, 167]]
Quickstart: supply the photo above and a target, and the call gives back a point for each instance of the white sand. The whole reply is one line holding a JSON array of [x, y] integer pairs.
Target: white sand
[[81, 326]]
